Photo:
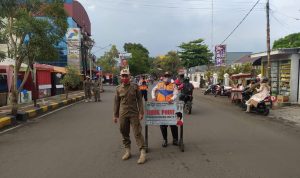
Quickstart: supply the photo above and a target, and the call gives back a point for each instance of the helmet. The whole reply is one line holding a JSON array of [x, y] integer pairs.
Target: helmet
[[186, 79], [177, 82], [264, 80], [167, 74], [125, 72]]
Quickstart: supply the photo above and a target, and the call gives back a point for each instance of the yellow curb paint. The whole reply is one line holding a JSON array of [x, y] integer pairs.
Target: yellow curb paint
[[31, 113], [4, 121], [54, 105], [45, 108], [65, 101]]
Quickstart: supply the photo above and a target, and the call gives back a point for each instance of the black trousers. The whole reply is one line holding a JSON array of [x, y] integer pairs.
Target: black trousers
[[164, 131], [144, 94]]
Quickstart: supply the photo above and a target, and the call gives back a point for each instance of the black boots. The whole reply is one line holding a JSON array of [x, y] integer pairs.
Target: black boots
[[165, 143], [175, 142]]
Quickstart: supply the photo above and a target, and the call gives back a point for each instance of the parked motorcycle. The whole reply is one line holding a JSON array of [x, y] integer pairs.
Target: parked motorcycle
[[263, 107], [211, 89], [223, 91]]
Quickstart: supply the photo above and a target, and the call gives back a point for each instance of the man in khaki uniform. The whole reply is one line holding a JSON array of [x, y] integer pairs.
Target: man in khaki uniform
[[96, 90], [87, 86], [129, 110]]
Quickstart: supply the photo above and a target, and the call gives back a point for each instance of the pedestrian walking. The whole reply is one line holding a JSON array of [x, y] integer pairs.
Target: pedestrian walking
[[96, 89], [129, 110], [143, 88], [87, 86], [165, 91]]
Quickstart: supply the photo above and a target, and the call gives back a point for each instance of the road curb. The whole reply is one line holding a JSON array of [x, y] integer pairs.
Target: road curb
[[23, 116]]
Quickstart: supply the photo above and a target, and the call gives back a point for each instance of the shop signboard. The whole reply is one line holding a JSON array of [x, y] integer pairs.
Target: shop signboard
[[73, 37], [163, 113], [220, 55]]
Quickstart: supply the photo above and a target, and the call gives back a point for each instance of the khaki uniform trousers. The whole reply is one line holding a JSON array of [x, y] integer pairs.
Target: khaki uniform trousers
[[88, 93], [134, 121], [97, 94]]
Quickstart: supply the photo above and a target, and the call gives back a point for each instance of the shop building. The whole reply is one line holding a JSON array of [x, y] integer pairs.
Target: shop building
[[285, 74], [74, 48]]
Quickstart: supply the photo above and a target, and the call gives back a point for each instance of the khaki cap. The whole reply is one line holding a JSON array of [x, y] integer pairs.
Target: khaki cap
[[125, 72]]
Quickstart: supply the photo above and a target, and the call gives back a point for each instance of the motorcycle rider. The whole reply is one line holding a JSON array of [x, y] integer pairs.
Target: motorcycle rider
[[186, 89], [263, 92]]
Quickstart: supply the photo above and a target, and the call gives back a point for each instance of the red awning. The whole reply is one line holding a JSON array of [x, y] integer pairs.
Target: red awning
[[44, 67]]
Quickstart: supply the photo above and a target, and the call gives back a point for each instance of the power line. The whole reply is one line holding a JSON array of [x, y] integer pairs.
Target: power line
[[283, 23], [278, 21], [241, 21], [212, 24]]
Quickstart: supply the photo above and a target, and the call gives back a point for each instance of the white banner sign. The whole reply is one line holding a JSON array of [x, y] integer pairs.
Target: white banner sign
[[163, 113], [74, 44]]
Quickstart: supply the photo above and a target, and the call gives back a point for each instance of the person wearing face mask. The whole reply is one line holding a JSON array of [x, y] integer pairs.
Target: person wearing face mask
[[165, 91], [129, 110]]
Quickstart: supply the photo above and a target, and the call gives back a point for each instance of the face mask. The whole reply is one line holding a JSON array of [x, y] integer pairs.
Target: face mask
[[167, 80], [125, 80]]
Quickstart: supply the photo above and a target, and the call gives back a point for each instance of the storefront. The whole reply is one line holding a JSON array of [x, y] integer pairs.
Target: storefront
[[57, 87], [284, 74], [43, 79], [6, 79]]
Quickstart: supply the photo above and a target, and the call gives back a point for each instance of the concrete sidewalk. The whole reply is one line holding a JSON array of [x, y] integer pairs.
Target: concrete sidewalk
[[287, 114], [28, 111]]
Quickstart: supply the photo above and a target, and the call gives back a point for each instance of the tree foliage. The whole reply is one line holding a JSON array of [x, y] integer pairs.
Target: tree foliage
[[195, 53], [71, 78], [170, 62], [289, 41], [31, 30], [108, 61], [231, 70], [139, 61]]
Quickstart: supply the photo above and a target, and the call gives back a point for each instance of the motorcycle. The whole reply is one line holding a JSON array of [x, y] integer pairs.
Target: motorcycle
[[223, 91], [210, 89], [263, 107], [187, 99]]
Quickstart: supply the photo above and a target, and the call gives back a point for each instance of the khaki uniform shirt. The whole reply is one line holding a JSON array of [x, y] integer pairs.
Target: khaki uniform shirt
[[87, 85], [96, 85], [128, 101]]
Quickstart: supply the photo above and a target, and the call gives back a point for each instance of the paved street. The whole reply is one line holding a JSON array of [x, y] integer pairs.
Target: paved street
[[220, 140]]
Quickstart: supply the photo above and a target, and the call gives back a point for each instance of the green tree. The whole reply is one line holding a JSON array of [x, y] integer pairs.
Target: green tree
[[170, 62], [139, 61], [71, 79], [108, 61], [289, 41], [29, 37], [195, 53]]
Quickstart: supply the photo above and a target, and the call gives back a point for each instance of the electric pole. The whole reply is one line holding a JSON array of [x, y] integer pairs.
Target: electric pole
[[268, 41]]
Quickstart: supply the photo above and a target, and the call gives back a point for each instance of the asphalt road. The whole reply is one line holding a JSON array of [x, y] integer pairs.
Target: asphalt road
[[220, 140]]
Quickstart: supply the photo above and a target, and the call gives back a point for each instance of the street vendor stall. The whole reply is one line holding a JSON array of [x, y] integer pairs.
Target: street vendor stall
[[6, 79], [236, 91]]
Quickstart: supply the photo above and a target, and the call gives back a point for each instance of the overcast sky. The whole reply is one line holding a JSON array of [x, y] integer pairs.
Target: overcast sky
[[161, 25]]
